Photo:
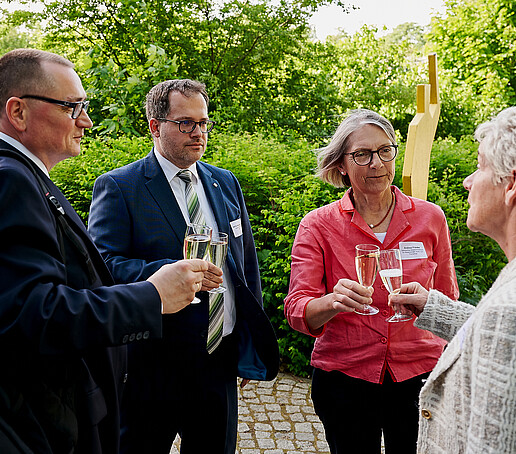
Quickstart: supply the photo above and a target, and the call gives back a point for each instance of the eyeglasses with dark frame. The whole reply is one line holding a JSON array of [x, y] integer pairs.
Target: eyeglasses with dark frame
[[187, 126], [364, 157], [77, 107]]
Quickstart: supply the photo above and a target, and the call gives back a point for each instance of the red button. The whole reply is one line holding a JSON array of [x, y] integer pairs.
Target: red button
[[383, 340], [385, 313]]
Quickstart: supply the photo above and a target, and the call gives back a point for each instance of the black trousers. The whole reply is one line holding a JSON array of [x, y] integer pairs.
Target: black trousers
[[204, 411], [355, 412]]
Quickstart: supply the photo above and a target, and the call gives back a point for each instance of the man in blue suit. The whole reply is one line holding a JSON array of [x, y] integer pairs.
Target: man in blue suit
[[138, 220], [64, 326]]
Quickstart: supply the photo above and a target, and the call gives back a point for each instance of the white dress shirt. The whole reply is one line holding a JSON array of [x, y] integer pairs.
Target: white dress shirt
[[178, 188]]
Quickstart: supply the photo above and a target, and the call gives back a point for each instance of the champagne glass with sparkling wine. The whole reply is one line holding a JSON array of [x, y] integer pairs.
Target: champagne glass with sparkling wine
[[366, 263], [391, 273], [218, 252], [196, 245]]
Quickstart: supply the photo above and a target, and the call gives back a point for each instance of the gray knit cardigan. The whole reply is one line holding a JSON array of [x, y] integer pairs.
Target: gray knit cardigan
[[468, 404]]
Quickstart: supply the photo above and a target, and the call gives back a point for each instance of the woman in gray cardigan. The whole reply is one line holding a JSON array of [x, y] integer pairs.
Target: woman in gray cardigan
[[468, 404]]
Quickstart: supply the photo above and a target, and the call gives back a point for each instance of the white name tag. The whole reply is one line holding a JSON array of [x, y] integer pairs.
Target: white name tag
[[412, 250], [236, 226]]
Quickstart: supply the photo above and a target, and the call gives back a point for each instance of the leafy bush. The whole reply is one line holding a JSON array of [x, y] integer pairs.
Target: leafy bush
[[478, 259], [277, 178], [75, 177]]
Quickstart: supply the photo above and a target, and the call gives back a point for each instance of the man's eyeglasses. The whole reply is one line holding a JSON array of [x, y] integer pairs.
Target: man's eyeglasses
[[187, 126], [364, 157], [77, 107]]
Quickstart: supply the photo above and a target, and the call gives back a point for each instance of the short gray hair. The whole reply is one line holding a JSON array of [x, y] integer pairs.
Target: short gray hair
[[21, 73], [499, 138], [330, 157], [157, 103]]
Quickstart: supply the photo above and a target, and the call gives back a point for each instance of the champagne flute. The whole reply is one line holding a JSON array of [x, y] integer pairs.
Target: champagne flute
[[391, 273], [196, 245], [218, 252], [366, 264]]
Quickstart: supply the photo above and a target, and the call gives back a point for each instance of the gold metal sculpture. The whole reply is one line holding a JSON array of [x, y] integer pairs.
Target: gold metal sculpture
[[421, 133]]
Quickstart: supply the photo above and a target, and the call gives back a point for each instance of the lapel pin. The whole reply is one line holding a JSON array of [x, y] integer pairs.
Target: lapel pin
[[215, 185]]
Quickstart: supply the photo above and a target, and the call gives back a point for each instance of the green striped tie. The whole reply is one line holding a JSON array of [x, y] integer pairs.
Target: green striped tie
[[216, 300]]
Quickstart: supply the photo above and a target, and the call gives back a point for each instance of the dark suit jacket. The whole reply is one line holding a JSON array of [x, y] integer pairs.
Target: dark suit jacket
[[138, 226], [61, 335]]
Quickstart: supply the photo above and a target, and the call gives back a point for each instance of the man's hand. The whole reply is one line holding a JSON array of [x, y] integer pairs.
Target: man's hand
[[178, 282], [411, 299]]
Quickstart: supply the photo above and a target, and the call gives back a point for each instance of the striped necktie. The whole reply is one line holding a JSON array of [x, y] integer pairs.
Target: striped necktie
[[216, 300]]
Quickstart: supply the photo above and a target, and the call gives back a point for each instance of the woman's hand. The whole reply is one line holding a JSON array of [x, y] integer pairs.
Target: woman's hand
[[212, 278], [347, 296], [411, 299]]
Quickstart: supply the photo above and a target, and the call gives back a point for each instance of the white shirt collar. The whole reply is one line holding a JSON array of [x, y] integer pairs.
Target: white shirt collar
[[20, 147], [171, 170]]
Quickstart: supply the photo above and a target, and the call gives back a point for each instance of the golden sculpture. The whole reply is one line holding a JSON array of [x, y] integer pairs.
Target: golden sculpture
[[421, 133]]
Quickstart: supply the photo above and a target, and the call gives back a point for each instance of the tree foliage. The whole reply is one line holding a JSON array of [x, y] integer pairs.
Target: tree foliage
[[475, 40], [234, 46]]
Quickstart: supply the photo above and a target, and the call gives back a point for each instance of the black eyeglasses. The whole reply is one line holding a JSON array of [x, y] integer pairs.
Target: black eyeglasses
[[364, 157], [187, 126], [77, 107]]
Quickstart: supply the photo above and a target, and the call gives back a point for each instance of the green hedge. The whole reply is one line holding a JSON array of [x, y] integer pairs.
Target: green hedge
[[279, 187]]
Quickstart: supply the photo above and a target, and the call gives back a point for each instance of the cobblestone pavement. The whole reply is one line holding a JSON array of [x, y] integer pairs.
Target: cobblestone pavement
[[277, 417]]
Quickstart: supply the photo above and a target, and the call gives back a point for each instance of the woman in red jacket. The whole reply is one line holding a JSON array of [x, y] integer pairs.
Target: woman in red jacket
[[367, 372]]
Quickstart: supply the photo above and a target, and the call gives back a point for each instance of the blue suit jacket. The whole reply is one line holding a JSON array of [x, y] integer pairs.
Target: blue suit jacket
[[137, 225], [61, 334]]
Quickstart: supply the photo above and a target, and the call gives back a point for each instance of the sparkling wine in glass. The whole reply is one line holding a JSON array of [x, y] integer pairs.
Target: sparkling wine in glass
[[366, 264], [218, 252], [197, 244], [391, 272]]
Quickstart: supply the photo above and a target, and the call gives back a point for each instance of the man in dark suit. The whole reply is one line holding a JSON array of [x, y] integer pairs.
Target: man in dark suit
[[138, 220], [63, 324]]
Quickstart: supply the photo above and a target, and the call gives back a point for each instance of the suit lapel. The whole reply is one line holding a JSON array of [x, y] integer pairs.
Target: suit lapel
[[160, 190], [215, 197]]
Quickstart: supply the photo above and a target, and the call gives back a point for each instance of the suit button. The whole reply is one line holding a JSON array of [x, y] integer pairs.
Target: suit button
[[383, 340], [125, 339], [132, 337], [426, 413], [146, 335], [139, 336]]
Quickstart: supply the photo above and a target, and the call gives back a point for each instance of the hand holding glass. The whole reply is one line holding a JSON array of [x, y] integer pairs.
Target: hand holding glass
[[391, 273], [218, 252], [366, 264], [196, 245]]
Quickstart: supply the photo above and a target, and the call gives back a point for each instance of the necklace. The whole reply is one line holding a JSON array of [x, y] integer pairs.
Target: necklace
[[386, 214]]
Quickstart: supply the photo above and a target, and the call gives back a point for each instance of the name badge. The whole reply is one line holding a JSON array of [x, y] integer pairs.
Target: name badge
[[412, 250], [236, 226]]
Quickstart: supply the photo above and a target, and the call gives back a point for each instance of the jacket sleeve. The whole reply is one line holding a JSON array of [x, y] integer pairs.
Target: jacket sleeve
[[110, 226], [38, 309], [443, 316], [306, 279]]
